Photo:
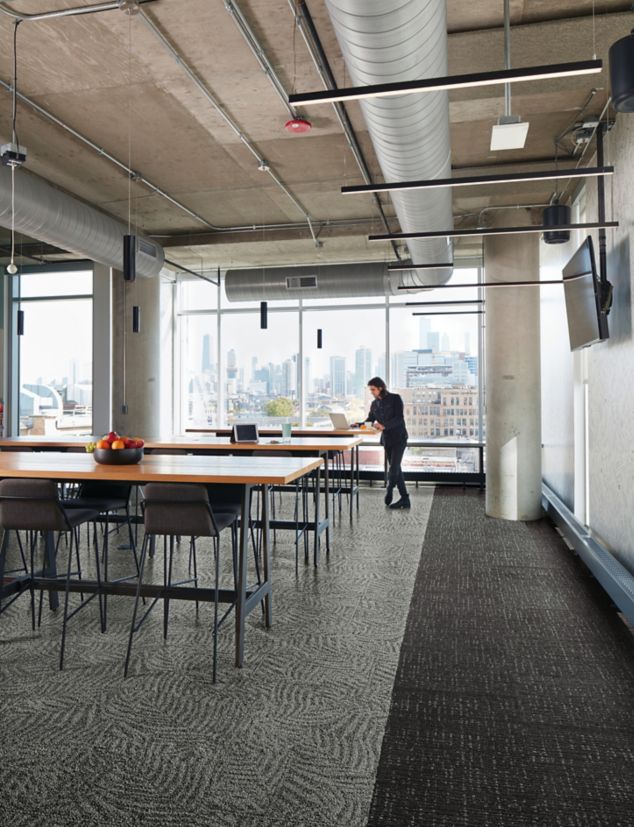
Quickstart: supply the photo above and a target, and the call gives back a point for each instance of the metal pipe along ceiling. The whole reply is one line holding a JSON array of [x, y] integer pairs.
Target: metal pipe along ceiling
[[384, 41], [44, 212]]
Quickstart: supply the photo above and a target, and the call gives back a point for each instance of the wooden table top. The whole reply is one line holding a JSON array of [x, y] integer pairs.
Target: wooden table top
[[190, 442], [325, 432], [157, 468]]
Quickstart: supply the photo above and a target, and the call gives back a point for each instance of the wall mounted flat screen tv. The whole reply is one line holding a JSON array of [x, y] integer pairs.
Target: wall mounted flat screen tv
[[587, 321]]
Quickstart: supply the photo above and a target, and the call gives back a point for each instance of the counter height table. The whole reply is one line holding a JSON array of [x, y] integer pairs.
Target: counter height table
[[208, 445], [248, 472]]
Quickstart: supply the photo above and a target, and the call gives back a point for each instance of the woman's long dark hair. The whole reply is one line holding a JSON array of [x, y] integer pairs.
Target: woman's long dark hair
[[377, 382]]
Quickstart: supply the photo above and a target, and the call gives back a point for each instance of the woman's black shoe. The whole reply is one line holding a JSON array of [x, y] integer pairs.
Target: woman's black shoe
[[402, 503], [388, 496]]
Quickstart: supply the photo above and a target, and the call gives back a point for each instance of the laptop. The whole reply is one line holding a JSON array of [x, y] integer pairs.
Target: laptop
[[340, 422], [244, 433]]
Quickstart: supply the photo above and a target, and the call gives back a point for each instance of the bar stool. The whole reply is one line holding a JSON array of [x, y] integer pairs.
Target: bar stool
[[170, 510], [34, 506]]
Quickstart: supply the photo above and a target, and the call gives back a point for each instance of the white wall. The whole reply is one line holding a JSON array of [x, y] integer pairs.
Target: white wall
[[611, 365], [610, 372]]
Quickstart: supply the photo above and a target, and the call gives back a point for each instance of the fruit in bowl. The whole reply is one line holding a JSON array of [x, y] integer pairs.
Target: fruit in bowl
[[114, 449]]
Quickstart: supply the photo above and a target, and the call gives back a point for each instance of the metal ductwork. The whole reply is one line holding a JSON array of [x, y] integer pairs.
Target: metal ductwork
[[48, 214], [335, 281], [386, 41]]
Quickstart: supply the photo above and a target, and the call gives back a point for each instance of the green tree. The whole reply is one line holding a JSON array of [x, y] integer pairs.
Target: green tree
[[280, 406]]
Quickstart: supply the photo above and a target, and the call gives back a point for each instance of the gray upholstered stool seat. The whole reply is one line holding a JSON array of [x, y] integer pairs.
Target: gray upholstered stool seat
[[175, 510], [34, 506]]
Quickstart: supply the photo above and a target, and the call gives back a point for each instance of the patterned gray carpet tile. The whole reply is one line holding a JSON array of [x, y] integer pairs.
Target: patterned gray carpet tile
[[292, 739], [512, 703]]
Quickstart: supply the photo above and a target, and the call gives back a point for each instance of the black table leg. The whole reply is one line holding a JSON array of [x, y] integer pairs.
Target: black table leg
[[243, 556], [50, 566], [266, 555], [317, 515]]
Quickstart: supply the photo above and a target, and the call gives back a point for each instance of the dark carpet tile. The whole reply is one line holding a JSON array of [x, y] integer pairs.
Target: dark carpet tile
[[512, 703]]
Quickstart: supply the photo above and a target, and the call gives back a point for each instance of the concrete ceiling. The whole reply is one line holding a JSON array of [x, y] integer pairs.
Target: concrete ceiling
[[110, 79]]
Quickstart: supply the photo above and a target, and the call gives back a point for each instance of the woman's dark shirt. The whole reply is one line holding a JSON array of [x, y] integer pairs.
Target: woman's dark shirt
[[388, 411]]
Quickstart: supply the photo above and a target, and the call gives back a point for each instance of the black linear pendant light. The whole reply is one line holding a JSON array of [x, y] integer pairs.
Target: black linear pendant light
[[129, 257], [264, 315], [136, 318], [320, 338]]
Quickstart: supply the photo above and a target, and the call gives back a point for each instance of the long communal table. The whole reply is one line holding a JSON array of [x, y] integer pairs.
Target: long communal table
[[205, 444], [248, 472], [362, 434]]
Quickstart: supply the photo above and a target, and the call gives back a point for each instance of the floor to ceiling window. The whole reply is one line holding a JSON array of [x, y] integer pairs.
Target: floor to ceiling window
[[53, 351], [435, 366], [233, 370]]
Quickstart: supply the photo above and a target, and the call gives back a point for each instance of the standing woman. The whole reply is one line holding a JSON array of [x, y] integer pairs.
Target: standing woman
[[386, 414]]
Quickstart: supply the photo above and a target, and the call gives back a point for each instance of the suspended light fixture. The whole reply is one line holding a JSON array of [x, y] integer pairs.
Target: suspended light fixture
[[136, 318], [264, 315], [13, 155], [399, 266], [20, 323], [129, 257], [478, 231], [622, 73], [320, 338], [449, 82], [481, 180]]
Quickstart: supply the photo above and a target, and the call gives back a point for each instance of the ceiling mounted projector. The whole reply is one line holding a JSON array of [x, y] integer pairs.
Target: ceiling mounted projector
[[509, 133], [622, 73]]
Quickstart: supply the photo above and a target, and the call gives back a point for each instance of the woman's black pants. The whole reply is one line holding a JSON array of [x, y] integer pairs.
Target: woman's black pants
[[394, 455]]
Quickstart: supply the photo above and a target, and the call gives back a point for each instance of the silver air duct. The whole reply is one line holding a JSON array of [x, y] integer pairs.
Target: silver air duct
[[47, 214], [335, 281], [385, 41]]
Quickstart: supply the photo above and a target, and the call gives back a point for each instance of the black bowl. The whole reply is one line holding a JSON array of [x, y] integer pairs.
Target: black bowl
[[123, 456]]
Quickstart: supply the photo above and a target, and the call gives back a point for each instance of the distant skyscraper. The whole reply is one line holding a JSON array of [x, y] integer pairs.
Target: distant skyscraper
[[362, 369], [467, 342], [380, 367], [424, 329], [289, 381], [445, 342], [401, 361], [308, 377], [207, 356], [232, 364], [433, 340], [337, 376]]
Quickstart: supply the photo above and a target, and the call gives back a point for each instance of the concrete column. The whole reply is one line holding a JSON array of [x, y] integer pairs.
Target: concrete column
[[512, 348], [136, 380]]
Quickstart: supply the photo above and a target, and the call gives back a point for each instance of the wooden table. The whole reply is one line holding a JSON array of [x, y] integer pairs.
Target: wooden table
[[231, 470], [203, 444]]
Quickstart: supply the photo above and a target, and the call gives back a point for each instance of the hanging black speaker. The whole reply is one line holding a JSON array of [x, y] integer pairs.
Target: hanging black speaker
[[129, 257], [554, 216], [622, 73], [264, 315]]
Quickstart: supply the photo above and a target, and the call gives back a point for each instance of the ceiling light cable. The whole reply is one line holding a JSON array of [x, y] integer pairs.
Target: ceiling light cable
[[12, 267]]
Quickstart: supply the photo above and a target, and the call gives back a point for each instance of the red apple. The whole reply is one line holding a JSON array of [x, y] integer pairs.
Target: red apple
[[138, 443], [130, 443], [112, 436]]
